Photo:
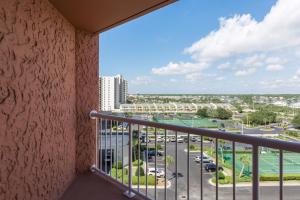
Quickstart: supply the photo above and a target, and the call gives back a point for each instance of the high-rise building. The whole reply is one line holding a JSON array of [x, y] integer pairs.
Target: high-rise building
[[113, 92]]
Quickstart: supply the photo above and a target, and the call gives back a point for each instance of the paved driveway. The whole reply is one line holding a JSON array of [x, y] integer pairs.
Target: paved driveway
[[209, 191]]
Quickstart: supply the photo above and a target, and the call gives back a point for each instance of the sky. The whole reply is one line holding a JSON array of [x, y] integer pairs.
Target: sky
[[208, 46]]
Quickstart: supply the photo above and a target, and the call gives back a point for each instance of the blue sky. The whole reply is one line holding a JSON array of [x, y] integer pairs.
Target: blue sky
[[208, 46]]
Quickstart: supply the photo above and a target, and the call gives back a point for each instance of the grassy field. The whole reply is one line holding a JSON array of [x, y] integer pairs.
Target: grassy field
[[196, 122]]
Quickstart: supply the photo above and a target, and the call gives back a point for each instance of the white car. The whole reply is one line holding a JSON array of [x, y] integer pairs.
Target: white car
[[159, 172], [206, 159], [159, 139], [180, 140]]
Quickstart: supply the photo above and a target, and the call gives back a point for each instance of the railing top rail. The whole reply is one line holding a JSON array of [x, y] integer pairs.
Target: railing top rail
[[252, 140]]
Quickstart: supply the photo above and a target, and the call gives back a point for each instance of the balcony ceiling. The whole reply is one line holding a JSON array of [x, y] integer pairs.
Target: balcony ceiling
[[100, 15]]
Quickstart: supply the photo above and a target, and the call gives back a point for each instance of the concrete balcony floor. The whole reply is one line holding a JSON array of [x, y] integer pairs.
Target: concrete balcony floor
[[91, 186]]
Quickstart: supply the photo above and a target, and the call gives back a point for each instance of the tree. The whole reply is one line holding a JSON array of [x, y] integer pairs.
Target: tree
[[245, 161], [238, 108], [222, 113], [202, 112], [141, 170], [262, 117], [296, 121], [169, 160]]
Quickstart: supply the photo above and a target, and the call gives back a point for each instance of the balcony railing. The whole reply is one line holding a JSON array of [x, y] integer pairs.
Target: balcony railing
[[124, 143]]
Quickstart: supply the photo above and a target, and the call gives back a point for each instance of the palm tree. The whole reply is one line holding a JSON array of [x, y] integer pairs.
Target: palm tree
[[245, 161]]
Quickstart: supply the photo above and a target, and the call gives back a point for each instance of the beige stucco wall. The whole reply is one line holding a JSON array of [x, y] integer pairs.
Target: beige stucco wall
[[42, 89]]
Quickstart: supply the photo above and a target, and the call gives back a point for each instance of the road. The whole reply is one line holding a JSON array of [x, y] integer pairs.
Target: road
[[209, 191]]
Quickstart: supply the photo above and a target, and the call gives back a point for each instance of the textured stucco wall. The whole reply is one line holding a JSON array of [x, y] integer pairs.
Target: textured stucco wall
[[37, 100], [87, 94]]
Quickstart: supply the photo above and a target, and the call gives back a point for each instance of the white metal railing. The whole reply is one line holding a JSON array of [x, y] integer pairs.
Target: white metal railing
[[124, 127]]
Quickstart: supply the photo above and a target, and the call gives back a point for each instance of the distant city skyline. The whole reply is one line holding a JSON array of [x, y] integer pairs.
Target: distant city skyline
[[204, 47]]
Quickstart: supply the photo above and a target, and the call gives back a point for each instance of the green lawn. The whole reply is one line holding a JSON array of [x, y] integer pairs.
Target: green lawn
[[196, 122]]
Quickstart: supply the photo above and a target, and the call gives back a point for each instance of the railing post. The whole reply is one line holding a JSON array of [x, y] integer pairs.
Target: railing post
[[92, 116], [201, 169], [188, 167], [255, 173], [147, 156], [176, 166], [129, 193], [155, 164], [280, 174], [217, 169], [165, 150], [233, 172]]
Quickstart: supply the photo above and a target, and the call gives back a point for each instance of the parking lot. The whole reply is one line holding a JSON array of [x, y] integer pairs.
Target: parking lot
[[209, 191]]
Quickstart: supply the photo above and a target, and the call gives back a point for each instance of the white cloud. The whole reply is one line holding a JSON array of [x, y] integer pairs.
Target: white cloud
[[251, 61], [249, 65], [142, 80], [245, 72], [274, 67], [297, 53], [220, 78], [279, 29], [199, 76], [245, 46], [224, 66], [179, 68], [282, 84], [297, 76]]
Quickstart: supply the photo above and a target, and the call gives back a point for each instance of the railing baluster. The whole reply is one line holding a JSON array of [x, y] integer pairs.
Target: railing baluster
[[117, 143], [217, 170], [280, 174], [147, 155], [155, 164], [99, 148], [139, 158], [96, 141], [165, 150], [201, 169], [105, 151], [111, 149], [255, 174], [129, 193], [176, 167], [122, 152], [188, 167], [233, 171]]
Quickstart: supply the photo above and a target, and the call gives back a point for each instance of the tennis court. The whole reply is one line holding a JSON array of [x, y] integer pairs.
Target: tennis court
[[197, 122], [269, 162]]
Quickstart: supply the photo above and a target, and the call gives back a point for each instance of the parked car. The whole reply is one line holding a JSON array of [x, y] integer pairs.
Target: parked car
[[211, 167], [159, 172], [194, 139], [185, 139], [159, 139], [180, 140], [160, 153], [152, 153], [248, 147], [206, 159], [173, 139], [227, 147]]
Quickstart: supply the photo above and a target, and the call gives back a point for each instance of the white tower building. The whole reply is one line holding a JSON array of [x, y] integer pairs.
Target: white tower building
[[113, 92]]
